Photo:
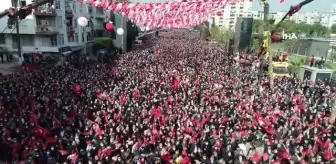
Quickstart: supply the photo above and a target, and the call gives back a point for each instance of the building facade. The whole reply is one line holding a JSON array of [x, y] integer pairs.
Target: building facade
[[233, 11], [258, 15], [309, 47], [54, 29], [326, 19]]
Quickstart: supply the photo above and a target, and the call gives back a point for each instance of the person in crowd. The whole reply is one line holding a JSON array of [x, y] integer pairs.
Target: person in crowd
[[175, 100], [312, 61]]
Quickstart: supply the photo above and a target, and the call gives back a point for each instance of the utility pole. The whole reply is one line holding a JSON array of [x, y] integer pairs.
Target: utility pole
[[18, 39], [16, 6], [268, 35], [20, 12]]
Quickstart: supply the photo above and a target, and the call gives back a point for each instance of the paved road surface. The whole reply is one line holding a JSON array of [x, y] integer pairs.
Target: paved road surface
[[7, 68]]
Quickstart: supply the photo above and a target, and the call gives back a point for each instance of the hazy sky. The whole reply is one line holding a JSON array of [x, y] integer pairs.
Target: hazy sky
[[320, 5], [275, 5]]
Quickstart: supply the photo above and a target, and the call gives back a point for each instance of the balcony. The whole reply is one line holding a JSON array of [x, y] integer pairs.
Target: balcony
[[100, 14], [46, 30], [45, 11], [68, 11]]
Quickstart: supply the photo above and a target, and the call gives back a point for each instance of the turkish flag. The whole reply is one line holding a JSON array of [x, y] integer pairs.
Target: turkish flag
[[156, 53], [136, 93], [327, 155], [40, 132], [175, 83], [77, 88], [99, 95], [123, 99]]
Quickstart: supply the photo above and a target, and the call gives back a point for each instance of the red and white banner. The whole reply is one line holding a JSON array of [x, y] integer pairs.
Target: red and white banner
[[171, 14]]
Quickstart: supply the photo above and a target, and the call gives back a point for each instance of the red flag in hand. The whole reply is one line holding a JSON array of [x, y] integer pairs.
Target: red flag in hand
[[77, 88], [175, 83], [136, 93], [123, 99], [40, 132], [327, 155], [156, 53]]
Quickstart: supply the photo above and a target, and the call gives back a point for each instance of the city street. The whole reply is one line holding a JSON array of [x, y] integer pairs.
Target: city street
[[9, 67]]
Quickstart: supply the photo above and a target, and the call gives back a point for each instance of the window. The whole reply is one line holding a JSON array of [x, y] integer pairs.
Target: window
[[280, 70], [58, 5], [323, 76], [74, 22], [61, 39], [74, 7], [53, 41], [26, 40], [23, 3], [90, 10], [76, 37], [83, 38], [88, 36], [2, 39], [71, 38], [81, 8], [59, 22]]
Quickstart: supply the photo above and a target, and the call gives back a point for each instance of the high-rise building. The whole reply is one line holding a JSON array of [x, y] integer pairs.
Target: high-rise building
[[54, 29], [277, 16], [231, 12]]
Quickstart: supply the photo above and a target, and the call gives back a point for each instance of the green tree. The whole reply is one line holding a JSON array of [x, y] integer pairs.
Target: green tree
[[296, 63], [333, 54], [333, 28], [255, 45], [132, 33], [103, 43], [221, 34], [204, 31], [258, 26], [303, 28]]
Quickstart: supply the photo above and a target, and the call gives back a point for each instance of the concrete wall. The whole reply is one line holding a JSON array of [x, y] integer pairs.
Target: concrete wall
[[320, 49], [309, 47]]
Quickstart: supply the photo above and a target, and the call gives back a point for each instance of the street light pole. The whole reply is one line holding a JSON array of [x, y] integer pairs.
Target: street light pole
[[18, 41], [18, 38]]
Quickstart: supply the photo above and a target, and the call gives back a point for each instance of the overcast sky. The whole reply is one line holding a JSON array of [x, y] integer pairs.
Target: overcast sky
[[319, 5]]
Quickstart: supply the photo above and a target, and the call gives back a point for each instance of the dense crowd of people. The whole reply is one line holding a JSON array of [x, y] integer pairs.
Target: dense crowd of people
[[180, 100]]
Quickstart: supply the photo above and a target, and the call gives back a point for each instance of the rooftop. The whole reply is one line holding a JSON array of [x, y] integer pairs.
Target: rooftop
[[326, 70]]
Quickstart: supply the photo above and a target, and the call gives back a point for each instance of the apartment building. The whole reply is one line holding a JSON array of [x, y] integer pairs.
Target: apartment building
[[54, 29], [258, 15], [231, 12]]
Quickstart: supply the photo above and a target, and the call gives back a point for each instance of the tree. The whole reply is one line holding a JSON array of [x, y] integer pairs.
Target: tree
[[103, 43], [296, 63], [333, 28], [221, 34], [255, 45], [291, 27], [258, 26], [204, 31], [132, 33]]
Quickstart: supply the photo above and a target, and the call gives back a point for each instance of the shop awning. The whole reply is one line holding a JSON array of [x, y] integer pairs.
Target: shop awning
[[65, 50], [66, 53], [77, 48]]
